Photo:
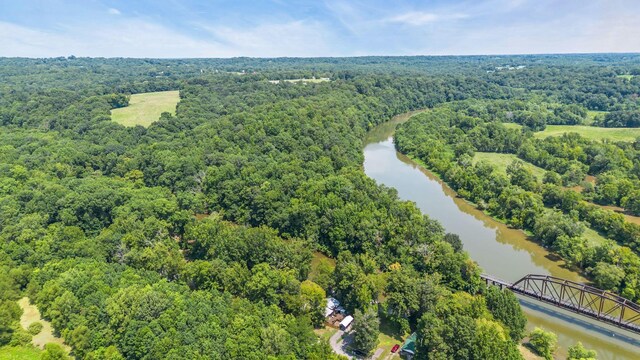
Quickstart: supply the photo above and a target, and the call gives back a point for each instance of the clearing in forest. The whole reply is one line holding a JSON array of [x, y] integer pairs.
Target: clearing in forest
[[146, 108], [30, 315], [501, 161], [591, 132]]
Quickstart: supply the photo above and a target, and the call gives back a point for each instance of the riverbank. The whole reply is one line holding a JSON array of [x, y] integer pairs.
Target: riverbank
[[498, 249]]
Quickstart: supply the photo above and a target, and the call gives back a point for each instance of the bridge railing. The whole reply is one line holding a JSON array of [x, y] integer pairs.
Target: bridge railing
[[581, 298]]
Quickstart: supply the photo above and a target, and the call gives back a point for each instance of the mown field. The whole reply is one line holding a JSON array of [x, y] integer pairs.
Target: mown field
[[591, 132], [146, 108], [19, 353], [501, 161]]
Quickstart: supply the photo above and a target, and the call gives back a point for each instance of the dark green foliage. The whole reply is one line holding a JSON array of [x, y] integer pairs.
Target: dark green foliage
[[556, 216], [192, 238], [366, 327], [504, 306], [621, 118], [10, 313], [461, 328]]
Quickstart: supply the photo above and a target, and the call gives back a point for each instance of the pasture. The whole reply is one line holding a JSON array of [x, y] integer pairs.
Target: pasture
[[146, 108], [591, 132]]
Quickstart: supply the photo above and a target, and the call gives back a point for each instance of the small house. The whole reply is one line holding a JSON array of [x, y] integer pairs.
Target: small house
[[408, 349], [346, 323], [332, 304]]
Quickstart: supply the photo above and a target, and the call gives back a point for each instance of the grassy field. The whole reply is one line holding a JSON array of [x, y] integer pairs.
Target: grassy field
[[626, 77], [325, 333], [19, 353], [146, 108], [593, 237], [318, 260], [501, 161], [512, 126], [32, 314], [591, 132], [389, 336]]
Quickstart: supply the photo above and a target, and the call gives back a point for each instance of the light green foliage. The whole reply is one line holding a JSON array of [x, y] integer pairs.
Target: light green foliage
[[108, 353], [312, 297], [53, 352], [193, 237], [19, 353], [35, 328], [145, 108], [20, 337], [607, 276], [504, 307], [543, 342], [578, 352]]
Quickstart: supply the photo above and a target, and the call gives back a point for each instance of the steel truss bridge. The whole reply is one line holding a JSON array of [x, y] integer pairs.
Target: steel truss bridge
[[592, 302]]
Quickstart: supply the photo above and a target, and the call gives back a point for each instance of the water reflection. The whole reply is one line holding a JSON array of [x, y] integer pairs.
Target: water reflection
[[501, 251]]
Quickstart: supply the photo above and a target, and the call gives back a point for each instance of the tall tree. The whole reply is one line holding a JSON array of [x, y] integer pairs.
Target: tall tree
[[366, 327]]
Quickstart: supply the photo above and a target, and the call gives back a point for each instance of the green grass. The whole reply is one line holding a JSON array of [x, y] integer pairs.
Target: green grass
[[593, 237], [512, 126], [389, 336], [319, 259], [591, 132], [626, 77], [501, 161], [325, 333], [146, 108], [19, 353], [591, 115]]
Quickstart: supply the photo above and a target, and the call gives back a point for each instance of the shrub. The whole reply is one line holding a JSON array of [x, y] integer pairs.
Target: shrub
[[35, 328]]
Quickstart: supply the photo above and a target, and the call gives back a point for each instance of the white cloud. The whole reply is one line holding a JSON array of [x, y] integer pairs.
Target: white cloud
[[131, 38], [138, 38], [113, 11], [419, 18], [296, 38]]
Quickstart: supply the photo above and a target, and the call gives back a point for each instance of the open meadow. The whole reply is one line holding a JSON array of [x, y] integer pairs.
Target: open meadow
[[501, 161], [591, 132], [146, 108]]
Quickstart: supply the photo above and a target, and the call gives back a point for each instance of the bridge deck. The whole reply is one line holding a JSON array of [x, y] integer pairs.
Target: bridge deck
[[579, 298]]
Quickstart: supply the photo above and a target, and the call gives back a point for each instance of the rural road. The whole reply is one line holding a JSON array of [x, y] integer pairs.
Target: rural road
[[336, 346]]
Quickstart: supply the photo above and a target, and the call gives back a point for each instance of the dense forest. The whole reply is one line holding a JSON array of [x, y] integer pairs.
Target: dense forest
[[195, 237]]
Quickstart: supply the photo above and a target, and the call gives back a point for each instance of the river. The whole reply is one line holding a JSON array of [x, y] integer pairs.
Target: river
[[501, 251]]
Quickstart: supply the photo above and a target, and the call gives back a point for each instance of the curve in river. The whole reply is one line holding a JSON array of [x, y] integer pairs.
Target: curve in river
[[501, 251]]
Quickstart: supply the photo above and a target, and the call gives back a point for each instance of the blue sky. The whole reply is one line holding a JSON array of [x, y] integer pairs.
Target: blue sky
[[273, 28]]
